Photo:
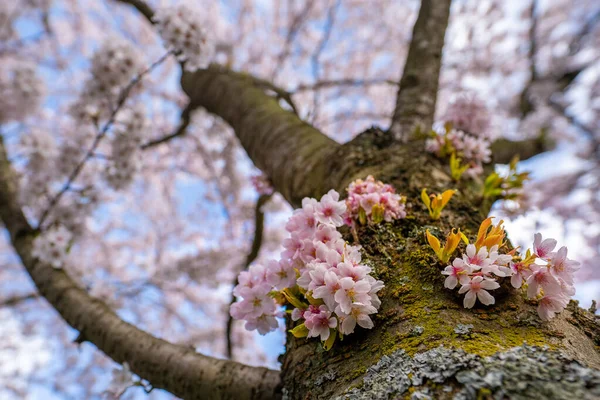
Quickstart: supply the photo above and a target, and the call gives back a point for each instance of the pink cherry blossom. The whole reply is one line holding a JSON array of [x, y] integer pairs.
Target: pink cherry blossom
[[541, 278], [316, 260], [364, 195], [280, 274], [543, 249], [357, 314], [476, 289], [329, 289], [561, 266], [551, 304], [319, 321], [330, 210], [352, 292], [457, 272]]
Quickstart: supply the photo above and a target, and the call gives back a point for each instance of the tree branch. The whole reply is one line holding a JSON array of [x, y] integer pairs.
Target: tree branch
[[326, 84], [180, 131], [142, 7], [174, 368], [503, 150], [259, 219], [289, 151], [13, 301], [417, 95], [123, 95]]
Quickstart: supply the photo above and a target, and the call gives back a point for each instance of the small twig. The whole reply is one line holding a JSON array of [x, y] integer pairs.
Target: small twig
[[180, 131], [324, 84], [91, 151], [12, 301], [331, 14], [259, 219]]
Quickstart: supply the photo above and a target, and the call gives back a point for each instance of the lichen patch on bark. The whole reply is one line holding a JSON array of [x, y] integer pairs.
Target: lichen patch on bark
[[524, 372]]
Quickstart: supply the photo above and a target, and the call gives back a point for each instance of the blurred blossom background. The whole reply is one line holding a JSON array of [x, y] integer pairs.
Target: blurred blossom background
[[162, 231]]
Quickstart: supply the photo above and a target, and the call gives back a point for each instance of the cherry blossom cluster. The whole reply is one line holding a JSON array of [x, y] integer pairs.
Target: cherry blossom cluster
[[21, 90], [182, 30], [131, 127], [547, 274], [373, 201], [475, 150], [319, 276], [52, 246], [466, 133], [469, 114], [113, 67]]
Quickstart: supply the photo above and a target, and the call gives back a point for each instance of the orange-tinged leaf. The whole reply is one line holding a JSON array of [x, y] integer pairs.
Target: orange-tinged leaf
[[446, 196], [493, 240], [483, 228], [433, 242], [451, 242], [425, 198]]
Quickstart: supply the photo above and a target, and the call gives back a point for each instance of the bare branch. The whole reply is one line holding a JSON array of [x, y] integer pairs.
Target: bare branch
[[180, 131], [325, 84], [314, 60], [276, 140], [90, 153], [259, 219], [13, 301], [417, 95], [177, 369], [295, 26]]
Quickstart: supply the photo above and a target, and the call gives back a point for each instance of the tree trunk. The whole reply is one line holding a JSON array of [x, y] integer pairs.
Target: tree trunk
[[424, 343]]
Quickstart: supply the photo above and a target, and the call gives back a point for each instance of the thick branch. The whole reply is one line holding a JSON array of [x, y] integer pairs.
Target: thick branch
[[417, 95], [259, 220], [142, 7], [503, 150], [291, 152], [177, 369]]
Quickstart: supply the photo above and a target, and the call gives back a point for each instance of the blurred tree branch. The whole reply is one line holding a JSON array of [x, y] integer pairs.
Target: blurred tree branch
[[180, 131], [503, 150], [175, 368], [15, 300], [417, 95]]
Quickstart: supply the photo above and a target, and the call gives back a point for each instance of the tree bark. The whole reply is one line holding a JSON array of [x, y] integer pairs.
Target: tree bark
[[424, 341], [417, 95], [289, 151]]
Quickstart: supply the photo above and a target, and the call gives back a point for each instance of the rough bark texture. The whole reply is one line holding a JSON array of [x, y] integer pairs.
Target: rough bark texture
[[289, 151], [418, 315], [177, 369], [415, 104], [424, 342]]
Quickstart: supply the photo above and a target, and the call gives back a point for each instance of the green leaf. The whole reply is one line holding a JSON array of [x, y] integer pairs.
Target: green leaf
[[300, 331]]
